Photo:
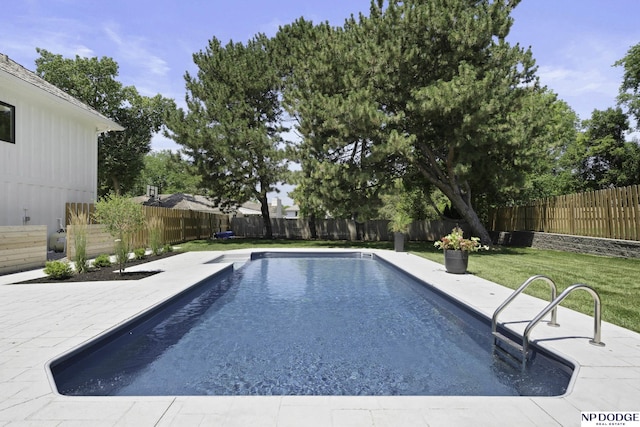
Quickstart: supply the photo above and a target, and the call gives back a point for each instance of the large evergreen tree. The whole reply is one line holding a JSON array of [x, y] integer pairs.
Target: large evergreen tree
[[231, 129], [342, 174], [431, 87], [93, 81]]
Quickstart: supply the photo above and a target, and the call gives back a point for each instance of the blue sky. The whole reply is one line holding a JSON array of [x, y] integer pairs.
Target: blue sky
[[575, 42]]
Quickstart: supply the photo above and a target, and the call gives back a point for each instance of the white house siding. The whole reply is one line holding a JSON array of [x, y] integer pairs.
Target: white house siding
[[54, 158]]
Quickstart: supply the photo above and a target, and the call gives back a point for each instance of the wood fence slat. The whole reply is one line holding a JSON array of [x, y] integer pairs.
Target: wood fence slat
[[600, 202], [179, 225], [635, 204], [609, 213], [28, 251], [622, 206]]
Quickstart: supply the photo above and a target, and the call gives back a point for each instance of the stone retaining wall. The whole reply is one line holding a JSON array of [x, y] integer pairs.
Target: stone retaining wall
[[564, 242]]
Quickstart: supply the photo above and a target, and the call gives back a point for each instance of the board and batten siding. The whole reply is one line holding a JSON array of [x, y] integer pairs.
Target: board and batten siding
[[53, 160]]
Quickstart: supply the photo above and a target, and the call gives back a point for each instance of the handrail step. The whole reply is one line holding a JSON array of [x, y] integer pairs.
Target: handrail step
[[507, 340], [508, 355]]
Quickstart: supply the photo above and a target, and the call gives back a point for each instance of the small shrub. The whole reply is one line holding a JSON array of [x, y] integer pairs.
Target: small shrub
[[58, 270], [139, 253], [102, 260], [122, 218], [167, 248]]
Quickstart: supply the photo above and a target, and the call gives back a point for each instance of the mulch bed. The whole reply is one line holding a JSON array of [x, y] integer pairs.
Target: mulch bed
[[108, 273]]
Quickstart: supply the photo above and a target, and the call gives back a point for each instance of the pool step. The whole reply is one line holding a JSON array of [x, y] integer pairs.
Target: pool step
[[508, 356], [515, 350], [238, 260], [498, 336]]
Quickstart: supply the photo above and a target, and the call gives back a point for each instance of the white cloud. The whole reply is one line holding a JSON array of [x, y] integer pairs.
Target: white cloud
[[271, 28], [84, 52], [160, 142], [134, 51], [57, 35], [578, 82], [580, 70]]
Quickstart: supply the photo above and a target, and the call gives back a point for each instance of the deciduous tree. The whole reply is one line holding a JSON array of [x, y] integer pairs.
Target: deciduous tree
[[601, 157], [93, 81], [630, 87], [169, 172], [549, 174]]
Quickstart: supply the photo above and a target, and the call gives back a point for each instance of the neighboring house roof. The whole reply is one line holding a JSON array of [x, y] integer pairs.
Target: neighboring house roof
[[255, 208], [192, 202], [11, 67], [195, 202], [249, 210]]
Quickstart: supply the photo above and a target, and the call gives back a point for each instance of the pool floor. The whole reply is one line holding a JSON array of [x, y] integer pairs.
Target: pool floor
[[312, 325]]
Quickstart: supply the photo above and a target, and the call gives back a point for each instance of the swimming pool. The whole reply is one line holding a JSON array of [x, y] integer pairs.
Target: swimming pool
[[305, 325]]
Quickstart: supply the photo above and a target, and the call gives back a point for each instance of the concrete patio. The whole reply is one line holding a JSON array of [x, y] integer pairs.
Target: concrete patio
[[39, 322]]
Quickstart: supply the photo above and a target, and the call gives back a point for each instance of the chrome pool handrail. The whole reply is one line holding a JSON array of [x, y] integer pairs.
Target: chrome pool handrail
[[554, 304], [554, 291]]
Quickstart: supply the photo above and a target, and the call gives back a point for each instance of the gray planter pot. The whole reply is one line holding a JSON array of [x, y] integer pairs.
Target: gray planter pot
[[398, 242], [456, 261]]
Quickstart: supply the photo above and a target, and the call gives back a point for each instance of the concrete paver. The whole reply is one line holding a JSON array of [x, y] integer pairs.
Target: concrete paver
[[40, 322]]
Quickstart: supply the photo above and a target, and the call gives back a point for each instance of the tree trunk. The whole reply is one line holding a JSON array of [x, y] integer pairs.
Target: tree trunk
[[312, 226], [264, 207], [116, 184], [470, 215], [445, 180]]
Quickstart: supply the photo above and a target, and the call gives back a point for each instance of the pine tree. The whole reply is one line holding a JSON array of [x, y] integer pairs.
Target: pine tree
[[231, 129], [431, 87]]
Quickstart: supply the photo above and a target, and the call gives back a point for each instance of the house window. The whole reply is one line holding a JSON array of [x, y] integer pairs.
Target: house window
[[7, 123]]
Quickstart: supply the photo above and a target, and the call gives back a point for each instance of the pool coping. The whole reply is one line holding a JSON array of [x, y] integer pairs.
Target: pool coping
[[44, 321]]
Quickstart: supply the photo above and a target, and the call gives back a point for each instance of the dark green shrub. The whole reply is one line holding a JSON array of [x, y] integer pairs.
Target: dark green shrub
[[102, 260], [58, 270], [139, 253]]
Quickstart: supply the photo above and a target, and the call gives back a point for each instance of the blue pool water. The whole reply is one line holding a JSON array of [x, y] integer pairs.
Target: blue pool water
[[312, 325]]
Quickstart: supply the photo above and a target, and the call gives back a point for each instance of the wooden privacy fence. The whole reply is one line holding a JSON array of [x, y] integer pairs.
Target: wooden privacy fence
[[99, 241], [338, 229], [178, 225], [22, 247], [612, 213]]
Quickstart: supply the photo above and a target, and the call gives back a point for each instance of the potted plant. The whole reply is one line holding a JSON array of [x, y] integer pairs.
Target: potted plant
[[399, 226], [456, 250]]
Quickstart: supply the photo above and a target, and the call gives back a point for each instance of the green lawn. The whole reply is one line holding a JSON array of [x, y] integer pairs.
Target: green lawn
[[615, 279]]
